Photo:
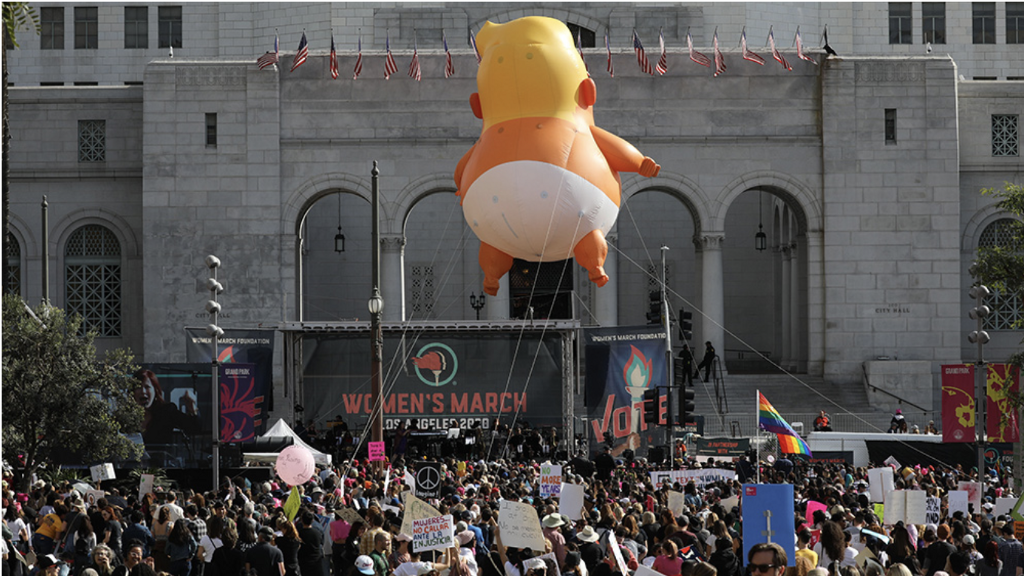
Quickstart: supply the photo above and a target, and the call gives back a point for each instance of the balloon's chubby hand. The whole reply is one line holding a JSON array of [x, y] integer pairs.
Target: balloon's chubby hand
[[649, 167]]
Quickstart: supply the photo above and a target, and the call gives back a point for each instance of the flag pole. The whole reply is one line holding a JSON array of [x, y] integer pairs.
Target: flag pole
[[757, 435]]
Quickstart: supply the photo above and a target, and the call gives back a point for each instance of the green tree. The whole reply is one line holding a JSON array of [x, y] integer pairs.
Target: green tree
[[1002, 266], [57, 395], [17, 16]]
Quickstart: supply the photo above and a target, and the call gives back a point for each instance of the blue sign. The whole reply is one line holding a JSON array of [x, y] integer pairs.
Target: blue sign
[[768, 517]]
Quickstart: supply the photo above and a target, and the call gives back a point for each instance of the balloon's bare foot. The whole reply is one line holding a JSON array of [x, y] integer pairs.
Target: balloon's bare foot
[[597, 276]]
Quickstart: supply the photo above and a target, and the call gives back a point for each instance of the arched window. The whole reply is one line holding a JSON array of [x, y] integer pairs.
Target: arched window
[[1006, 310], [586, 37], [92, 279], [12, 266]]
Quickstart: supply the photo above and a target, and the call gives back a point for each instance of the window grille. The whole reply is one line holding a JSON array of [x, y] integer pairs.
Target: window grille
[[92, 279], [12, 269], [1007, 310], [1004, 135], [92, 140], [422, 292]]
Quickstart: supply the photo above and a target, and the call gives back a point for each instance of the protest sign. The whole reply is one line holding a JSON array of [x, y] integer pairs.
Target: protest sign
[[434, 533], [1003, 506], [701, 477], [973, 490], [428, 480], [376, 450], [415, 509], [145, 485], [349, 515], [554, 559], [618, 553], [879, 510], [880, 481], [891, 461], [409, 480], [933, 507], [645, 571], [520, 527], [731, 502], [957, 501], [570, 501], [550, 480], [676, 503], [768, 517], [91, 496], [1018, 530], [812, 507], [101, 472], [907, 506]]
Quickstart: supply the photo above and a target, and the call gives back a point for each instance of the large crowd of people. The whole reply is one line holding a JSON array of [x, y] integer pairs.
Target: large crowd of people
[[349, 523]]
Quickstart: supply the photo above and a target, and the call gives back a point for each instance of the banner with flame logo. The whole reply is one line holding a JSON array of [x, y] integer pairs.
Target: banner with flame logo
[[958, 414], [1000, 418], [622, 363]]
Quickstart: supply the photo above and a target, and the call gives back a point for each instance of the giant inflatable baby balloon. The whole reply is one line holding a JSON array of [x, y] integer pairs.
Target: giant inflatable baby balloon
[[542, 182]]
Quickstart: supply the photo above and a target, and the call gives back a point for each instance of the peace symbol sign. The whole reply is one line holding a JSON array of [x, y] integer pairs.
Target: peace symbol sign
[[428, 478]]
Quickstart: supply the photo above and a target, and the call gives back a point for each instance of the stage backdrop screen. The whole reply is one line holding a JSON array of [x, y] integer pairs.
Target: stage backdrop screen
[[441, 380]]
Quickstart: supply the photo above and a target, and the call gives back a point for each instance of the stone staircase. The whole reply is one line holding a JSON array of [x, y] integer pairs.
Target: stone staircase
[[796, 398]]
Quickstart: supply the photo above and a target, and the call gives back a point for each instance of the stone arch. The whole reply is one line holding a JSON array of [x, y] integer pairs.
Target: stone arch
[[316, 188], [549, 10], [418, 190], [23, 234], [802, 200], [977, 224], [688, 192], [118, 225]]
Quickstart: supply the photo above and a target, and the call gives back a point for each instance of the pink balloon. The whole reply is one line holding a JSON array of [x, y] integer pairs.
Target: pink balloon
[[295, 465]]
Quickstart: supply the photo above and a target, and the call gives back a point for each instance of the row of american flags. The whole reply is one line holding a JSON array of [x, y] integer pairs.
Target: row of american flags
[[661, 67]]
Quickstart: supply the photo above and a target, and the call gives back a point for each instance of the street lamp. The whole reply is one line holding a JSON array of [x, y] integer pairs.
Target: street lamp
[[376, 305], [477, 303], [339, 238], [980, 337], [214, 332], [760, 239]]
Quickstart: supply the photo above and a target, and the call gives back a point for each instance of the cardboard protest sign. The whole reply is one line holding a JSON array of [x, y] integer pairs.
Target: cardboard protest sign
[[375, 450], [520, 527], [435, 533], [145, 485], [768, 517], [907, 506], [957, 501], [812, 507], [416, 509], [676, 502], [101, 472], [550, 480], [729, 503], [1003, 506], [933, 508], [892, 461], [1018, 530], [551, 556], [91, 496], [973, 493], [863, 557], [409, 480], [614, 545], [880, 481], [570, 501], [351, 516]]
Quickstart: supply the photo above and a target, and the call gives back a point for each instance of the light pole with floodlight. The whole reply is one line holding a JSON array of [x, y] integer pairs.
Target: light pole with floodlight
[[214, 332]]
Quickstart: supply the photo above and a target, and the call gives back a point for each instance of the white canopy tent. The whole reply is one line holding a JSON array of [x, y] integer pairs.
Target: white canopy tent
[[280, 428]]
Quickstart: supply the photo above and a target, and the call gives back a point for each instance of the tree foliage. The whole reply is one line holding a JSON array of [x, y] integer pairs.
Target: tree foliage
[[1002, 267], [58, 395], [19, 16]]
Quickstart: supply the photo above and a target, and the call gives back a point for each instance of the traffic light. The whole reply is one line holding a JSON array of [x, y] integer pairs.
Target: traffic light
[[686, 404], [678, 372], [651, 406], [654, 313], [685, 324]]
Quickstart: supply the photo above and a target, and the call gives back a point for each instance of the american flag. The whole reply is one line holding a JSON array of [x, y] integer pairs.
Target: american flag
[[747, 54], [334, 59], [608, 47], [359, 61], [472, 42], [579, 48], [641, 55], [301, 53], [828, 49], [414, 66], [775, 51], [662, 66], [694, 55], [719, 58], [449, 67], [800, 50], [270, 58], [389, 62]]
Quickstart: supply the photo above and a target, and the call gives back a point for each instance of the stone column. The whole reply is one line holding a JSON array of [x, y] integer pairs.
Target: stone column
[[713, 294], [815, 303], [496, 307], [794, 308], [392, 276], [606, 298], [787, 349]]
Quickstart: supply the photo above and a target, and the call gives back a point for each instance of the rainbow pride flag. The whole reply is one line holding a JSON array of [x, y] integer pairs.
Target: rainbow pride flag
[[770, 420]]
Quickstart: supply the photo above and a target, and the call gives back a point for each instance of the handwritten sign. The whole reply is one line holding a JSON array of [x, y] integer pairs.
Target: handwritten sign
[[376, 450], [416, 509], [91, 496], [973, 490], [145, 485], [907, 506], [957, 501], [570, 501], [435, 533], [932, 508], [520, 527], [676, 502], [101, 472], [550, 480]]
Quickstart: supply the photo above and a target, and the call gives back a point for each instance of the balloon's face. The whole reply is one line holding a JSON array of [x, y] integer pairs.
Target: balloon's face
[[529, 68], [295, 465]]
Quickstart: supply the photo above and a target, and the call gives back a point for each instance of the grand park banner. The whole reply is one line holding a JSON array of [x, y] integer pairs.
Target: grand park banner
[[438, 380], [238, 345], [1001, 425], [622, 363]]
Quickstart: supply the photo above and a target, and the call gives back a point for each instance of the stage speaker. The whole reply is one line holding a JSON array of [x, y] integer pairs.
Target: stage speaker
[[655, 455]]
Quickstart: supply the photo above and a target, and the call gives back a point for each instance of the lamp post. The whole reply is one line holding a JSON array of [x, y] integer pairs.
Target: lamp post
[[214, 332], [477, 302], [46, 253], [980, 337], [376, 305]]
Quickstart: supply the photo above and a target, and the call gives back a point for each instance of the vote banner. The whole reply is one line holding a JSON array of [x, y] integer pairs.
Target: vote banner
[[436, 533], [240, 346], [622, 363], [428, 480], [550, 480], [957, 403], [445, 379]]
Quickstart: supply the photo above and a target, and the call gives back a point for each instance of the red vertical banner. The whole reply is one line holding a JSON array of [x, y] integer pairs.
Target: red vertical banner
[[1000, 417], [958, 403]]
